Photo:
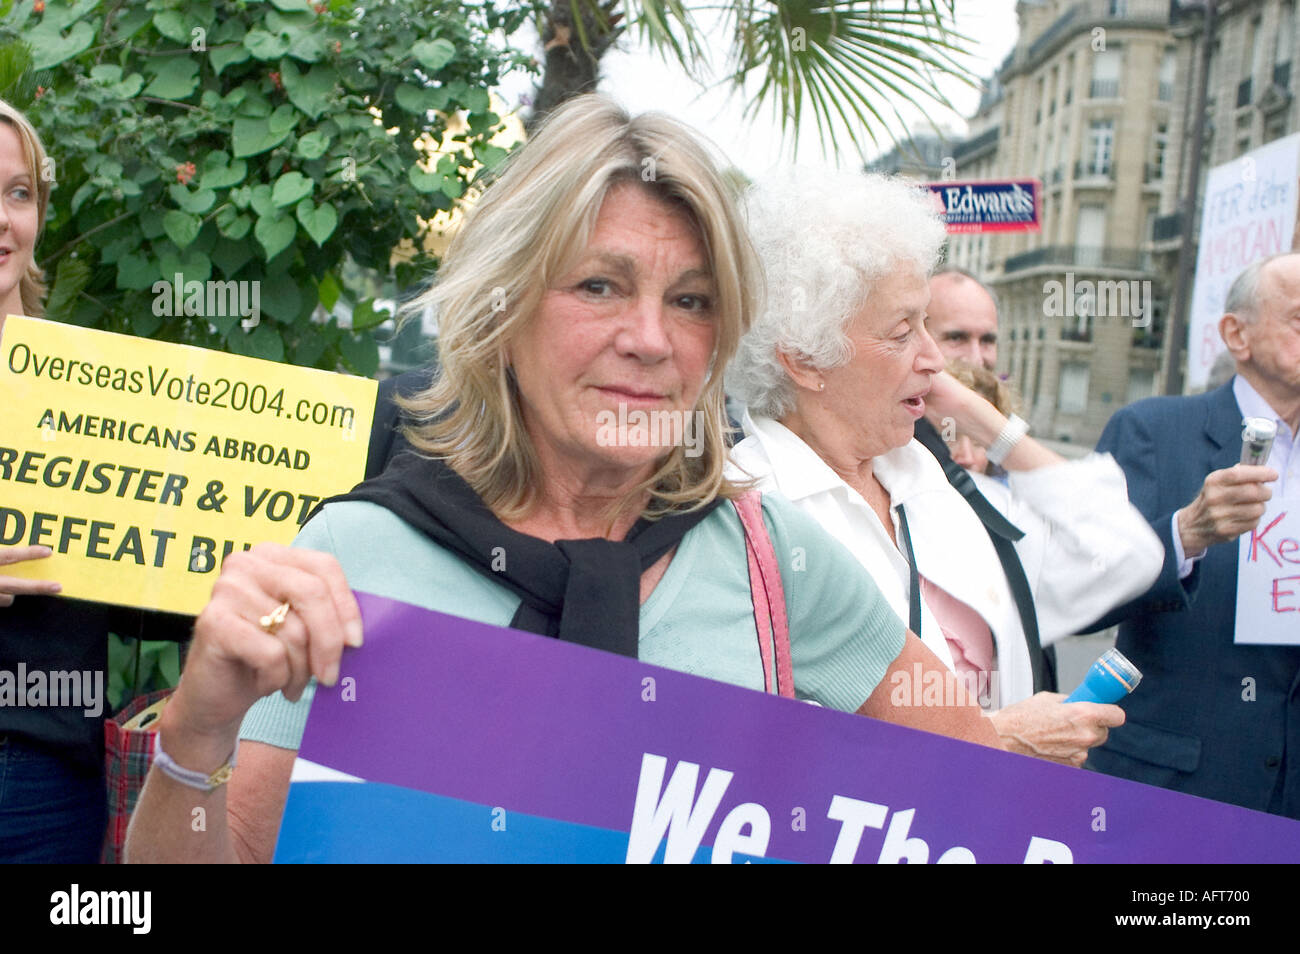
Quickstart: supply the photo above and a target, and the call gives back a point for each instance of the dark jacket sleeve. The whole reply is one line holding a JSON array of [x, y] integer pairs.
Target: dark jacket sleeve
[[1129, 438]]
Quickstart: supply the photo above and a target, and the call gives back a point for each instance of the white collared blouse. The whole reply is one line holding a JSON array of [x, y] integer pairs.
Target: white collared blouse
[[1086, 549]]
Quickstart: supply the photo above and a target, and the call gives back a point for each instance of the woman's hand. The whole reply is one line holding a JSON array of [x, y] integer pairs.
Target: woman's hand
[[955, 409], [1047, 727], [11, 586], [234, 660]]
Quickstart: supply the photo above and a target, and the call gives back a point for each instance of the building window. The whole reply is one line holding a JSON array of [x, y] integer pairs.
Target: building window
[[1159, 149], [1167, 67], [1285, 46], [1090, 234], [1105, 74], [1275, 127], [1141, 384], [1100, 147], [1252, 59], [1072, 391], [1257, 40]]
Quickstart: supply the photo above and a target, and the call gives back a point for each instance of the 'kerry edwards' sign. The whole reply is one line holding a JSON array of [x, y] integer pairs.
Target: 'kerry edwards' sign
[[1011, 206], [144, 464], [450, 740], [1268, 577]]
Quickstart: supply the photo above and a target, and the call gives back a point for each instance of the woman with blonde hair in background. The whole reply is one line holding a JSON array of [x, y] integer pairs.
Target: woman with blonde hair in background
[[52, 795]]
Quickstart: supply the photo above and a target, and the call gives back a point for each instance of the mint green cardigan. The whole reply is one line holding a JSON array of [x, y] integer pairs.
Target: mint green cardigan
[[699, 619]]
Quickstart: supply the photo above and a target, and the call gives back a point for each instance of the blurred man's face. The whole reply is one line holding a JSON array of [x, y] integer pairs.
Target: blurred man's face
[[963, 320], [1272, 359]]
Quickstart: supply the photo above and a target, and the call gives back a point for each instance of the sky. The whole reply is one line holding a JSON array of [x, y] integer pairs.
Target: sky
[[641, 81]]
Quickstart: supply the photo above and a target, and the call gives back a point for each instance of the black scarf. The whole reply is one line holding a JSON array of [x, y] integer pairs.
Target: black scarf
[[581, 591]]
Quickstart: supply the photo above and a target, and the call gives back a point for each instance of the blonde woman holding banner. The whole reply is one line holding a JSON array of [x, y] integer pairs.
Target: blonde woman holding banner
[[607, 267]]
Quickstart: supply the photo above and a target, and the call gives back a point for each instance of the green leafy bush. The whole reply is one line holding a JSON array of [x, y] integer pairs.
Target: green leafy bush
[[250, 141]]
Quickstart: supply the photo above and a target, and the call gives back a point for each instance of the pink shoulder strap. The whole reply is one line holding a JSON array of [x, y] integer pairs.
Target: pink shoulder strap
[[768, 595]]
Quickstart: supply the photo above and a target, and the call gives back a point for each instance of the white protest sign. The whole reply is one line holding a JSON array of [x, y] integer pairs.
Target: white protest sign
[[1249, 213], [1268, 578]]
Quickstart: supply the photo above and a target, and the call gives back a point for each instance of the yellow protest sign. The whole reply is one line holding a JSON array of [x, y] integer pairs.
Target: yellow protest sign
[[143, 464]]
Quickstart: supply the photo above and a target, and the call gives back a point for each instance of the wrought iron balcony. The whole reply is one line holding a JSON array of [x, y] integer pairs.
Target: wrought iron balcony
[[970, 147], [1103, 89], [1081, 256], [1092, 169]]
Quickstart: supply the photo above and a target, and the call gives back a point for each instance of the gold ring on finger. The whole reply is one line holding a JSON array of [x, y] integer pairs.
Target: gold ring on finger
[[273, 620]]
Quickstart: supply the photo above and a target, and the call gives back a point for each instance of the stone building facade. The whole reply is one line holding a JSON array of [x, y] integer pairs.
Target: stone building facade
[[1084, 103], [1250, 101]]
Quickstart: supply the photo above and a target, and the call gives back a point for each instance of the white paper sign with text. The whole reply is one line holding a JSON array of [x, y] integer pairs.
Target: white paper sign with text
[[1268, 578]]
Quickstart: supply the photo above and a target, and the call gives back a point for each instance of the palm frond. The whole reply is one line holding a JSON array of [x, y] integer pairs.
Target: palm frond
[[850, 64]]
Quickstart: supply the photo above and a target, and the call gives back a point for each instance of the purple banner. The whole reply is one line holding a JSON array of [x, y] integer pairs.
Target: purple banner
[[462, 741]]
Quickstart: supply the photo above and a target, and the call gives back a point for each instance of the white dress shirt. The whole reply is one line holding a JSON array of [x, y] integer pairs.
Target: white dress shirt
[[1086, 548]]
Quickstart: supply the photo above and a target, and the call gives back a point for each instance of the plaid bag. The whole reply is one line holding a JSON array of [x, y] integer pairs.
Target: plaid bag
[[128, 753]]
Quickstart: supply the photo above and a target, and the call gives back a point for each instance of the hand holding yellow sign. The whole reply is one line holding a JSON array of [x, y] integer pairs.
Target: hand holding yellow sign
[[143, 464]]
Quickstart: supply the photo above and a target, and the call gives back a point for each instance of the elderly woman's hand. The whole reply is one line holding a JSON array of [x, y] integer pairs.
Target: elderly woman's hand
[[954, 408], [11, 586], [1047, 727], [235, 659]]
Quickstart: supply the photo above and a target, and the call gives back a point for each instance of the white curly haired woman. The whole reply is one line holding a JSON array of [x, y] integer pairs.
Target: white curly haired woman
[[836, 371]]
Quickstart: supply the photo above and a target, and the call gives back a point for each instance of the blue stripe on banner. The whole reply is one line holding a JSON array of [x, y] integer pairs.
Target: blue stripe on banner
[[370, 822]]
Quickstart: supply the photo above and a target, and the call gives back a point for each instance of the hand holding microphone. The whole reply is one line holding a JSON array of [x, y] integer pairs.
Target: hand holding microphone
[[1109, 679], [1232, 500]]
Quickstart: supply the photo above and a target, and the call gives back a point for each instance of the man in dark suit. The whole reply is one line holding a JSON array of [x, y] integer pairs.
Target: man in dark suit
[[1212, 717]]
